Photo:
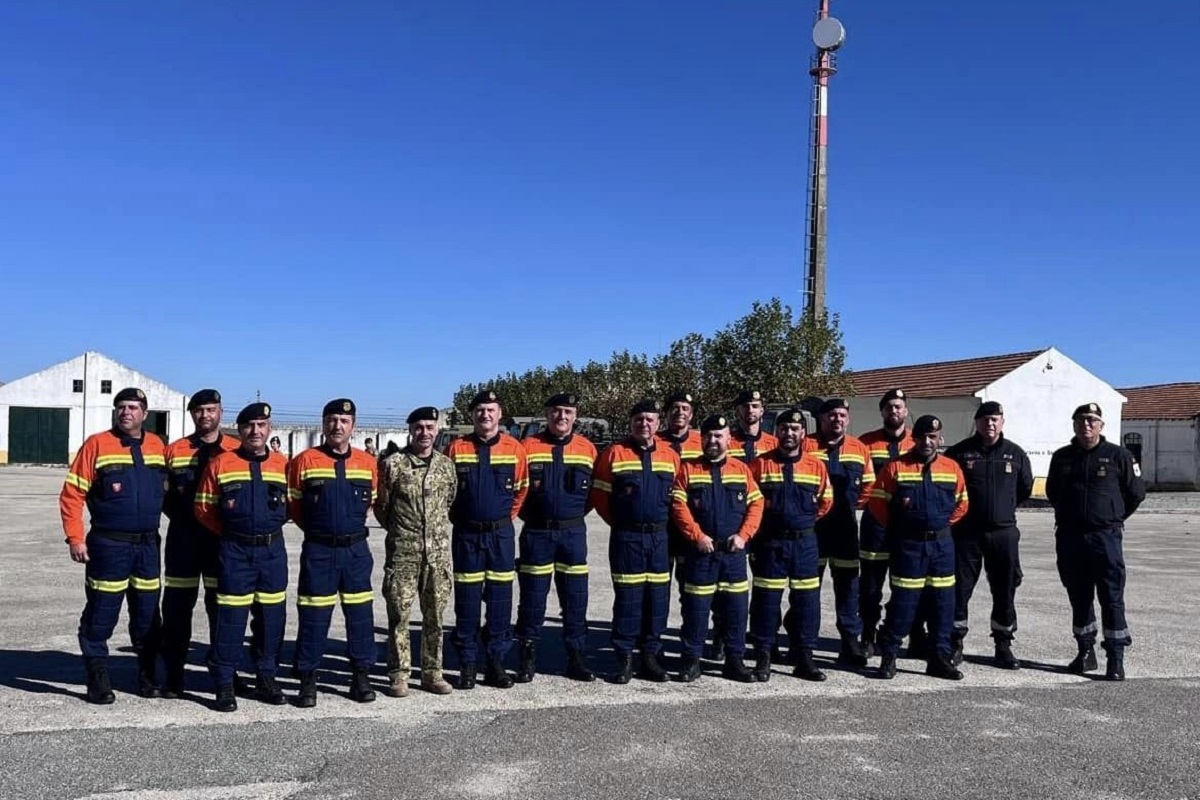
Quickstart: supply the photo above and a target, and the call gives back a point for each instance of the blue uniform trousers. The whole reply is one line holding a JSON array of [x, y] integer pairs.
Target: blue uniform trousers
[[328, 572], [189, 561], [641, 575], [715, 578], [996, 553], [874, 554], [563, 555], [1092, 565], [920, 568], [117, 571], [839, 550], [484, 568], [778, 565], [249, 575]]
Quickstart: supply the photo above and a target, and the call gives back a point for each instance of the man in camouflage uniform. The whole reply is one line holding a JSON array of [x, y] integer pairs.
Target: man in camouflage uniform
[[416, 489]]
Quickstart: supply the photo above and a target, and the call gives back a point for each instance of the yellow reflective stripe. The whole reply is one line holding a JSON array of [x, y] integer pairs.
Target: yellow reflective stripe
[[585, 461], [154, 461], [466, 458], [771, 477], [358, 474], [699, 478], [871, 555], [851, 458], [603, 486], [108, 461], [171, 582], [943, 582], [183, 462], [468, 577], [537, 569], [658, 577], [317, 601], [702, 590], [810, 480], [500, 458], [233, 477], [571, 569], [908, 583], [735, 587], [499, 577], [270, 598], [679, 494], [774, 584], [113, 587], [538, 458], [236, 600], [844, 563], [662, 466], [318, 472], [83, 484], [628, 579], [805, 584], [960, 496], [944, 477], [295, 494], [755, 495], [733, 477], [626, 466], [357, 598], [880, 494], [210, 583], [145, 584], [274, 477], [690, 455], [205, 497]]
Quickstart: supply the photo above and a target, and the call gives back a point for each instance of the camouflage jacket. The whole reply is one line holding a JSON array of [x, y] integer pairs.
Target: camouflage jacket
[[414, 501]]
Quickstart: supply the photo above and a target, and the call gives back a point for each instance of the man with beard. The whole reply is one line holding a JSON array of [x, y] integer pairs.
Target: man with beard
[[631, 491], [681, 437], [717, 506], [917, 498], [848, 462], [748, 440]]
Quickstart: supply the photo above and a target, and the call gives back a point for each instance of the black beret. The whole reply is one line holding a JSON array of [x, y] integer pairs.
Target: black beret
[[926, 423], [989, 409], [204, 397], [422, 414], [647, 406], [341, 405], [790, 416], [832, 404], [130, 394], [1087, 408], [679, 397], [714, 422], [748, 396], [567, 399], [252, 412], [486, 396], [892, 394]]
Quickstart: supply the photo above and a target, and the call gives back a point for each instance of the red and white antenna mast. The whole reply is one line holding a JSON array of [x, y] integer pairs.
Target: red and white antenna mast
[[828, 35]]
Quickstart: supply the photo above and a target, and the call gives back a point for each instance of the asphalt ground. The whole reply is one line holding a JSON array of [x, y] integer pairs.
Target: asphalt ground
[[1034, 733]]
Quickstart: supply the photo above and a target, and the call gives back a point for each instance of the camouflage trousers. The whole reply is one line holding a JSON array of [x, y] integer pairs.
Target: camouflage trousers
[[403, 581]]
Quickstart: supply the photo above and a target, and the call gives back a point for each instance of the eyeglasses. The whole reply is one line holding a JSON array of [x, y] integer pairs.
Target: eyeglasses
[[1089, 421]]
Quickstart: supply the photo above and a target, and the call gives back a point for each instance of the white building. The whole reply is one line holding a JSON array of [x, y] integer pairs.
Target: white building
[[1162, 429], [1038, 390], [45, 417], [296, 438]]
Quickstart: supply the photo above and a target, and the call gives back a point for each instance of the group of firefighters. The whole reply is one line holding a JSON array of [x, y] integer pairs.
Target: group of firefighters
[[739, 515]]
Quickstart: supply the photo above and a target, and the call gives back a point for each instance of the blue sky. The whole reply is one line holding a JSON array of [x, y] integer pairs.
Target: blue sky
[[384, 200]]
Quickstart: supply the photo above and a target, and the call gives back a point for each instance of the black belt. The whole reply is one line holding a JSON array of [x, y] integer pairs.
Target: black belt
[[644, 527], [925, 536], [553, 524], [484, 527], [120, 536], [790, 534], [335, 541], [263, 539]]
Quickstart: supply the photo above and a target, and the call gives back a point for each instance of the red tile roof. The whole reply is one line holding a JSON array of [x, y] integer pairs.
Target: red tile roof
[[942, 379], [1164, 401]]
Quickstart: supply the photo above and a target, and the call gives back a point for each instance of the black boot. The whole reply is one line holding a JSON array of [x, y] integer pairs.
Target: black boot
[[940, 667], [956, 651], [689, 669], [716, 650], [806, 668], [577, 668], [307, 698], [870, 634], [226, 700], [852, 652], [624, 672], [360, 686], [762, 665], [99, 689], [173, 688], [1085, 661], [887, 668], [1004, 655], [147, 682], [268, 691], [1115, 670], [495, 675], [919, 645], [466, 677], [527, 666], [735, 670], [652, 670]]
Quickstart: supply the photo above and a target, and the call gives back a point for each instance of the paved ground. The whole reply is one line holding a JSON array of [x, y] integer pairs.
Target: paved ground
[[1031, 734]]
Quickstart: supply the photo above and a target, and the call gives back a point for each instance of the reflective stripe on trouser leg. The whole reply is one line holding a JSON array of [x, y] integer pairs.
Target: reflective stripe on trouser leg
[[839, 549], [358, 604], [968, 565], [270, 606], [769, 561], [939, 588], [733, 598], [499, 577], [803, 617], [571, 581], [1108, 569], [1002, 563], [658, 593], [640, 570], [116, 571], [909, 567], [873, 558], [535, 572], [699, 590], [327, 575], [182, 567], [469, 570], [1076, 576], [253, 578]]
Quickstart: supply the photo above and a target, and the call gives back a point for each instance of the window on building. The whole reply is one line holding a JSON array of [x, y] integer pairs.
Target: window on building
[[105, 387], [77, 386], [1133, 443]]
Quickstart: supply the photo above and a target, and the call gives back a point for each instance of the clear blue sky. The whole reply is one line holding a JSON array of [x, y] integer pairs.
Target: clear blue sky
[[384, 199]]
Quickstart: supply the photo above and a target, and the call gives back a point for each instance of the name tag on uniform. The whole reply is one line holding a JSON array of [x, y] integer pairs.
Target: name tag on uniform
[[1100, 473], [1008, 466]]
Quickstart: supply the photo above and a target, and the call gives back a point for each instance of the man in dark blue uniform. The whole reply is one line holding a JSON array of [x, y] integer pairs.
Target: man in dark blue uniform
[[1094, 486]]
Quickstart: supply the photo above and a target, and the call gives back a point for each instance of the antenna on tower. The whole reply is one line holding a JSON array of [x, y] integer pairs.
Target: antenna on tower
[[828, 34]]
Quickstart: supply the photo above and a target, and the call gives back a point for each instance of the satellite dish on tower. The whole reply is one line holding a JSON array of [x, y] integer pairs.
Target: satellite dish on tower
[[828, 34]]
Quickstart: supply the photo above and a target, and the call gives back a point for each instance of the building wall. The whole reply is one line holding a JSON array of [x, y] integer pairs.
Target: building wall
[[1170, 457], [294, 439], [90, 411]]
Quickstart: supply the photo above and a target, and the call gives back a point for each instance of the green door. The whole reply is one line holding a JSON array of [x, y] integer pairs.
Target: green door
[[156, 422], [38, 435]]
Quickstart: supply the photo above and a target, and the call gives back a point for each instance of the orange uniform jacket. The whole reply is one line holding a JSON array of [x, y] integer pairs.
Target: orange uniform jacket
[[493, 494], [746, 449], [314, 471], [558, 491], [879, 443], [783, 508], [689, 447], [623, 494], [699, 509], [184, 467], [230, 469], [901, 500], [854, 462], [120, 495]]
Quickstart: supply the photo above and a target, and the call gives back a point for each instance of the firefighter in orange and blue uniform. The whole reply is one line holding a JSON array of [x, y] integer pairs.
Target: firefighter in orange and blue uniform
[[717, 506], [748, 440], [917, 498], [631, 491], [120, 475], [492, 481], [848, 462], [553, 540], [190, 552], [242, 498], [330, 491], [784, 554], [679, 435]]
